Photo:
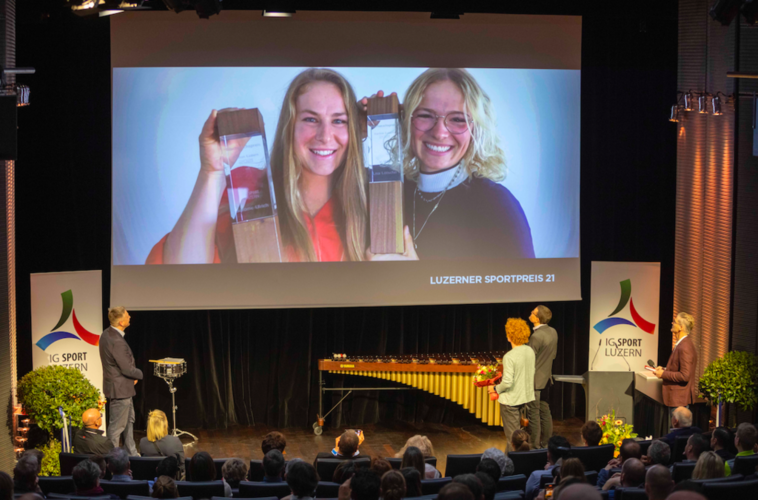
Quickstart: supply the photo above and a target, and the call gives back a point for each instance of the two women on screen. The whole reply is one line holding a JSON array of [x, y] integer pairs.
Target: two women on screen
[[454, 206]]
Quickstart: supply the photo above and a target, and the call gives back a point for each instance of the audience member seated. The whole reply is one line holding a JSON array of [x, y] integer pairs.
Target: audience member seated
[[520, 440], [489, 467], [745, 441], [86, 476], [273, 466], [505, 463], [425, 445], [343, 472], [392, 485], [412, 481], [273, 441], [302, 479], [347, 447], [696, 445], [708, 466], [720, 441], [591, 433], [632, 476], [658, 453], [629, 449], [658, 482], [100, 461], [35, 454], [681, 425], [165, 487], [554, 459], [455, 491], [489, 485], [90, 439], [473, 483], [414, 458], [6, 486], [25, 475], [167, 467], [158, 442], [365, 485], [118, 464], [234, 470], [380, 466], [570, 472], [203, 469], [582, 491]]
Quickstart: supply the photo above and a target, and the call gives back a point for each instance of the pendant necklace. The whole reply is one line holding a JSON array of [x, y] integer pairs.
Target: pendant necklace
[[439, 200]]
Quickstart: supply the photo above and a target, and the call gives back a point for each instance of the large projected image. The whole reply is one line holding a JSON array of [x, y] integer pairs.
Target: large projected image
[[248, 166]]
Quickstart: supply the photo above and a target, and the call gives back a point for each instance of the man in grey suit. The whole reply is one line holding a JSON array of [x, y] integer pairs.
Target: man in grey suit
[[119, 378], [544, 342]]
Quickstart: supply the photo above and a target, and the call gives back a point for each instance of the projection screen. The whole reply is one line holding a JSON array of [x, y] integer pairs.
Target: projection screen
[[248, 171]]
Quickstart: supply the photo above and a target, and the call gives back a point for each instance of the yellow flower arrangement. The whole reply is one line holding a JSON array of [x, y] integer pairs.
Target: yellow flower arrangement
[[615, 431]]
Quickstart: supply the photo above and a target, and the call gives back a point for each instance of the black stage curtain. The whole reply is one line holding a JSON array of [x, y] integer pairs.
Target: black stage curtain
[[260, 366]]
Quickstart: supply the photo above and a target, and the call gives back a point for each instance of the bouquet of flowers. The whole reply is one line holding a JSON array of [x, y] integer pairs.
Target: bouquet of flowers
[[487, 375], [615, 431]]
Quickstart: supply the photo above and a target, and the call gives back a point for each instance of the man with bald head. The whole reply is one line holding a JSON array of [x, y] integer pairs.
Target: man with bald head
[[90, 439], [632, 476], [658, 482], [582, 491]]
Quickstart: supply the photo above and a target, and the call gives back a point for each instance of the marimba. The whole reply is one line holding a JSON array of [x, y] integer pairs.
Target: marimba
[[450, 376]]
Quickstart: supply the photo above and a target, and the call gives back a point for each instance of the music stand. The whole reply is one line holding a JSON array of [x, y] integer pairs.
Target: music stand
[[170, 369]]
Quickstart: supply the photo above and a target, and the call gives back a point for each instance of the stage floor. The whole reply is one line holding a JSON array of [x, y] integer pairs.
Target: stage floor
[[382, 440]]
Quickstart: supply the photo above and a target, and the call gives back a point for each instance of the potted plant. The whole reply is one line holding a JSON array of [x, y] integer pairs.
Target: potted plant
[[732, 378]]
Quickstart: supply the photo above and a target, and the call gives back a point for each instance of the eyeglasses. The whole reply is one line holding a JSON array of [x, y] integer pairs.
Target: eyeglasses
[[455, 123]]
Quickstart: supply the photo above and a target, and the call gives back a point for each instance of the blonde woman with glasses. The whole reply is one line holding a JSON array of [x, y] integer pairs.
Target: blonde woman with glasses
[[455, 206], [158, 442]]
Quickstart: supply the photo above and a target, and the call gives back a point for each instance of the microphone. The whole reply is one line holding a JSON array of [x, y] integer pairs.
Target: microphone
[[627, 363], [650, 363], [599, 344]]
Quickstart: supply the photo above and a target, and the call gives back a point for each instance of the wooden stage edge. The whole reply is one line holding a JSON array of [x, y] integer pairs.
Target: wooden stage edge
[[382, 439]]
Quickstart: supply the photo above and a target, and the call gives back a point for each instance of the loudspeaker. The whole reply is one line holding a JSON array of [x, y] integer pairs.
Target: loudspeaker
[[8, 128]]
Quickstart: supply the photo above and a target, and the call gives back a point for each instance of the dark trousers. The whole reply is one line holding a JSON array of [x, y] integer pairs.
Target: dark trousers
[[121, 422], [511, 417], [540, 419]]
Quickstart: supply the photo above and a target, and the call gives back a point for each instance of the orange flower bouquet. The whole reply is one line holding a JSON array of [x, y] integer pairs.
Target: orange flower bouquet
[[615, 431]]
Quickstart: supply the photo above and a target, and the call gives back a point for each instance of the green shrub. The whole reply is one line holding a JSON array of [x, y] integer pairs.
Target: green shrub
[[51, 465], [731, 379], [43, 390]]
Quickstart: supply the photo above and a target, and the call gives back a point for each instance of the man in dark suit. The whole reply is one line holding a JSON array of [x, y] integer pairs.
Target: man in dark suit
[[544, 342], [90, 439], [680, 375], [681, 425], [119, 378]]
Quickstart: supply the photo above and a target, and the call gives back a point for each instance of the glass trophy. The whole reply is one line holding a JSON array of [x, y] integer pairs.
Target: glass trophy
[[383, 156], [249, 186]]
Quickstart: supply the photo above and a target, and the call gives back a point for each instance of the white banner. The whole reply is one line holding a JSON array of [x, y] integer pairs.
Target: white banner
[[623, 315], [67, 322]]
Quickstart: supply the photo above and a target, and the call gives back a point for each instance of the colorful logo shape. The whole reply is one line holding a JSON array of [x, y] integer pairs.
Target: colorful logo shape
[[639, 321], [68, 310]]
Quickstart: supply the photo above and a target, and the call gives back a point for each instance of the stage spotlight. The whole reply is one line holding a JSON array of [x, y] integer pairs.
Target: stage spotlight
[[278, 13], [702, 104], [724, 11], [674, 113], [689, 101], [716, 106]]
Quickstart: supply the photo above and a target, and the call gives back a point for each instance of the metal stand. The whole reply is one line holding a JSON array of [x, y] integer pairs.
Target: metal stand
[[172, 390]]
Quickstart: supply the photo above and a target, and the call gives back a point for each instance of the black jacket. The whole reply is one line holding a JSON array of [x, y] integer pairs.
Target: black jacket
[[119, 372], [92, 442]]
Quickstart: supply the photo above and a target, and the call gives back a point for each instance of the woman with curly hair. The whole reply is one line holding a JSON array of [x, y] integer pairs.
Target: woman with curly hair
[[517, 386], [453, 164]]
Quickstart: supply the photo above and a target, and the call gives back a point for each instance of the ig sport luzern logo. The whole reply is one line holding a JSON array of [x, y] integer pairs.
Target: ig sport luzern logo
[[639, 321], [55, 335]]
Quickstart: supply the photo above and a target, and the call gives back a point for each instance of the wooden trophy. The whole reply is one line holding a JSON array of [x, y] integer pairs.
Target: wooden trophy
[[249, 185], [383, 152]]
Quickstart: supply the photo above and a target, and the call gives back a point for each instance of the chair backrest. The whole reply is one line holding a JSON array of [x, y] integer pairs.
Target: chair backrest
[[255, 471], [727, 479], [56, 484], [201, 490], [745, 465], [593, 457], [326, 466], [238, 498], [327, 489], [125, 488], [591, 476], [249, 489], [425, 497], [677, 451], [396, 462], [69, 460], [545, 479], [526, 462], [433, 486], [462, 464], [77, 497], [143, 468], [630, 494], [512, 483], [682, 471], [509, 495], [218, 462], [644, 445], [137, 497], [730, 490]]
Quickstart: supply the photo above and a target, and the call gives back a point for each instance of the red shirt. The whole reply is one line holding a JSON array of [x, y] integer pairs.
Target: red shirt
[[324, 229]]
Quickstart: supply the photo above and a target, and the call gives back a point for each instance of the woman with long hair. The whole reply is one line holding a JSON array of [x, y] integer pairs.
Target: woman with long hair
[[393, 486], [202, 469], [520, 440], [158, 442], [454, 205], [318, 177], [414, 458], [709, 466], [425, 445]]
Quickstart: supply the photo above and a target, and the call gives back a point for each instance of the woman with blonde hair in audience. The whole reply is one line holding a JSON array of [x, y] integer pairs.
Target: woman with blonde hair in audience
[[393, 486], [520, 440], [709, 466], [158, 442], [425, 445]]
